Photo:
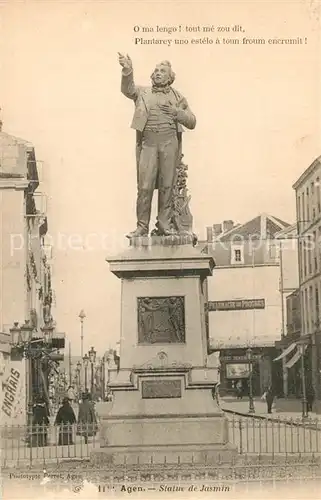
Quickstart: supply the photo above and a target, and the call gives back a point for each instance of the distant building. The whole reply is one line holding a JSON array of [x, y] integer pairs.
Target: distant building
[[245, 300], [289, 282], [308, 202]]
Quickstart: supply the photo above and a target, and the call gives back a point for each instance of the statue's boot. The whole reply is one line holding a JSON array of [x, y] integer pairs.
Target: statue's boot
[[143, 209], [140, 231]]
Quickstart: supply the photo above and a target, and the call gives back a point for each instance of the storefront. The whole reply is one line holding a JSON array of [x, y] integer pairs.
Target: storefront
[[235, 370]]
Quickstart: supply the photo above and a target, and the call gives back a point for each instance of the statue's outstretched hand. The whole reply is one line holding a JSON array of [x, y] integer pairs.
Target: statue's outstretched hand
[[125, 61]]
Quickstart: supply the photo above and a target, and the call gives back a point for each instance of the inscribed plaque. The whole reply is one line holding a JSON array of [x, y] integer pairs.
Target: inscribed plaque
[[157, 389]]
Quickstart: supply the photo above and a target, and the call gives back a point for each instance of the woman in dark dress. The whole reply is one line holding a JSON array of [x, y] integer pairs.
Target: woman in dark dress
[[65, 418], [40, 422], [87, 422], [269, 398]]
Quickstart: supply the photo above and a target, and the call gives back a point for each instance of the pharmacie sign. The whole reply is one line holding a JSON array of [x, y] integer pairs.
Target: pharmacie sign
[[236, 305]]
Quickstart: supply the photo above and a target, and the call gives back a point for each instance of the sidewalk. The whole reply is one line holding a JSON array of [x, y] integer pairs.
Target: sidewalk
[[282, 408]]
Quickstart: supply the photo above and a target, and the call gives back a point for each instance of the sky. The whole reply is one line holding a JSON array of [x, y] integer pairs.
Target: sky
[[258, 123]]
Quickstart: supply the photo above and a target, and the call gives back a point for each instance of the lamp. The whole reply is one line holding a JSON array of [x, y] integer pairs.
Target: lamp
[[82, 316], [92, 355], [26, 332], [15, 333], [85, 360], [251, 402], [92, 358]]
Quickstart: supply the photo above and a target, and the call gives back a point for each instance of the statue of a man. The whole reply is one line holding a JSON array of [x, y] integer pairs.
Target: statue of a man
[[159, 117]]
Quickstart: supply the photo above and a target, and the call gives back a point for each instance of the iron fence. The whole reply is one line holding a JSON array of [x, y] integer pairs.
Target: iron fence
[[272, 436], [46, 443], [21, 445]]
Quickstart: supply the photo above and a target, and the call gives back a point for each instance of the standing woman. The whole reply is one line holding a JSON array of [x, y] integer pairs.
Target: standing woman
[[65, 418], [87, 422], [269, 398], [40, 423]]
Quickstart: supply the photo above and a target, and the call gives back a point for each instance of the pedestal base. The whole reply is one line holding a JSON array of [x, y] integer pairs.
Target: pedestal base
[[165, 455], [159, 439]]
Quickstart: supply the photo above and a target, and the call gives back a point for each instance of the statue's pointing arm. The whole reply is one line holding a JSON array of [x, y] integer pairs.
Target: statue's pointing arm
[[184, 114], [128, 87]]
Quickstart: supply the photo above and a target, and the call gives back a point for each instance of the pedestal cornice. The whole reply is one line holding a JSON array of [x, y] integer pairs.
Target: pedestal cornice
[[154, 259]]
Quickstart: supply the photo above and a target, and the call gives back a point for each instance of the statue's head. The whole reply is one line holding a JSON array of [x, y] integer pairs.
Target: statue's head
[[163, 74]]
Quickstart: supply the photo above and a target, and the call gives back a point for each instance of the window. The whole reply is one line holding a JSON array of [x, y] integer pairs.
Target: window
[[303, 263], [308, 205], [304, 260], [302, 311], [317, 306], [309, 250], [311, 308], [315, 251], [318, 187], [299, 208], [318, 246], [313, 200], [237, 254], [306, 307]]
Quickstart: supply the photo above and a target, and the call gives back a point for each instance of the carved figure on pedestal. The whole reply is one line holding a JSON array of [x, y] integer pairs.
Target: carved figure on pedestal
[[161, 320], [159, 117]]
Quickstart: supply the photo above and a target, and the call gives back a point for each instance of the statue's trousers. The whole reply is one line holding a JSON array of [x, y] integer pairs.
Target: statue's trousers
[[157, 160]]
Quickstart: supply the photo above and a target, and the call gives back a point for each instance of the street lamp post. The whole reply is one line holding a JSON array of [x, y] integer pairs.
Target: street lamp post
[[92, 358], [21, 337], [251, 402], [82, 316], [304, 392], [85, 361], [103, 378]]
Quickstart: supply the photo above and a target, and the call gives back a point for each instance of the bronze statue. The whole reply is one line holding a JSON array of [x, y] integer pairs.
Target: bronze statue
[[159, 117]]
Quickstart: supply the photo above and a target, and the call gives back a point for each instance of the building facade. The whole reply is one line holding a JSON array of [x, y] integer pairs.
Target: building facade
[[308, 208], [246, 302], [26, 295]]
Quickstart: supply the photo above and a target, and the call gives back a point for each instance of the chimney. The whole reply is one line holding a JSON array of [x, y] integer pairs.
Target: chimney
[[217, 229], [209, 234], [227, 225]]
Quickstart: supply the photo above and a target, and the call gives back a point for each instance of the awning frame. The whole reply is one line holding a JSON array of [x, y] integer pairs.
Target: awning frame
[[286, 351]]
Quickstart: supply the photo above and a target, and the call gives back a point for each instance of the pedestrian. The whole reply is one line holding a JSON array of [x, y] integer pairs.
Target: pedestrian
[[310, 398], [87, 422], [71, 394], [65, 418], [269, 398], [40, 422], [239, 390], [217, 394]]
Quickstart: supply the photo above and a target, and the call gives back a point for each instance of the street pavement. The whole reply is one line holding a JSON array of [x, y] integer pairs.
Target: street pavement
[[282, 432], [283, 409]]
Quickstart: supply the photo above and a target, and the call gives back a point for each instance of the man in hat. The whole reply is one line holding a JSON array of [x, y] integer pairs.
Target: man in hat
[[159, 117]]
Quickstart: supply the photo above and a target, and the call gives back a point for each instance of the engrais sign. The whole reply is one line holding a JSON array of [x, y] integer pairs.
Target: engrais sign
[[13, 401]]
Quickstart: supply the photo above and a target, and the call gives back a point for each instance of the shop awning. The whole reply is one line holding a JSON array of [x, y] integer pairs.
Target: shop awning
[[295, 358], [287, 351]]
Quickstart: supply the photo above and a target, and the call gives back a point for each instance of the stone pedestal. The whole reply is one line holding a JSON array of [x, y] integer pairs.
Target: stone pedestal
[[163, 408]]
